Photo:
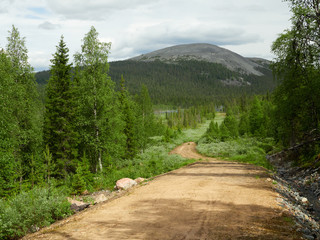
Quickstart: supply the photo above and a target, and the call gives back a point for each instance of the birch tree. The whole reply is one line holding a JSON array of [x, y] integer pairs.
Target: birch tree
[[99, 120]]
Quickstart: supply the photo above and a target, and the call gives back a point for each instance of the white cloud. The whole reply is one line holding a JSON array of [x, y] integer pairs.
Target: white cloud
[[49, 26], [247, 27], [5, 4], [93, 10], [143, 38]]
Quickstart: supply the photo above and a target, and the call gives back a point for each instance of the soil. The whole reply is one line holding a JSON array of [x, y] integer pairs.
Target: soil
[[211, 199]]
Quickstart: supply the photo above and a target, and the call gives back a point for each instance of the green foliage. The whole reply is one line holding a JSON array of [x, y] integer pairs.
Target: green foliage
[[129, 110], [244, 124], [83, 179], [227, 129], [145, 119], [231, 124], [297, 66], [256, 118], [9, 127], [248, 150], [213, 132], [153, 161], [99, 119], [186, 83], [190, 117], [59, 131], [20, 115], [29, 211], [297, 107]]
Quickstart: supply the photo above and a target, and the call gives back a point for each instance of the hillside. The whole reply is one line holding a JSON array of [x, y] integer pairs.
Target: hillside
[[203, 52], [191, 74]]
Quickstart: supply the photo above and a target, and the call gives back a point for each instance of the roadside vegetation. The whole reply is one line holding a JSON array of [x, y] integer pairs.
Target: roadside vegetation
[[84, 132]]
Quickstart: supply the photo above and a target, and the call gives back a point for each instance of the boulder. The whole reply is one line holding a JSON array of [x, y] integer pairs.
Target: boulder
[[77, 206], [85, 192], [100, 198], [139, 180], [125, 183]]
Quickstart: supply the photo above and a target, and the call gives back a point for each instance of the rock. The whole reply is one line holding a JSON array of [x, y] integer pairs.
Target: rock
[[85, 192], [139, 180], [125, 183], [308, 237], [77, 206], [304, 200], [100, 198], [269, 179]]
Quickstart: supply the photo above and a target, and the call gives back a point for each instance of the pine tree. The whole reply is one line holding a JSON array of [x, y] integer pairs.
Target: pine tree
[[59, 128], [99, 119]]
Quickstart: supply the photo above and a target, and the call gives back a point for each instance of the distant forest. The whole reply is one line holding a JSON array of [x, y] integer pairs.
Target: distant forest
[[185, 83]]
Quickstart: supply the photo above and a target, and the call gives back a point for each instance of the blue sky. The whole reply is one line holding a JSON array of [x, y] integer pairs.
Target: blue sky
[[134, 27]]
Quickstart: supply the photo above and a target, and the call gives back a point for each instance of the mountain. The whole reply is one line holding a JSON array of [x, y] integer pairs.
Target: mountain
[[191, 74], [204, 52]]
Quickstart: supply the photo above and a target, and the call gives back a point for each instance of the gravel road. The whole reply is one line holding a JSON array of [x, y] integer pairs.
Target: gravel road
[[211, 199]]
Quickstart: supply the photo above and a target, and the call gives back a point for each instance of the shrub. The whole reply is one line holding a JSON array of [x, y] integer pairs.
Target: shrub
[[249, 150], [29, 211]]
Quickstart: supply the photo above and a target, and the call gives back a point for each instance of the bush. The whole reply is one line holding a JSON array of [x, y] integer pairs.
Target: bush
[[154, 161], [29, 211], [249, 150]]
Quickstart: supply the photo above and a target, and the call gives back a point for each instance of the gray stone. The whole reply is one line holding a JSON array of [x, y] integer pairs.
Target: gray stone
[[77, 206]]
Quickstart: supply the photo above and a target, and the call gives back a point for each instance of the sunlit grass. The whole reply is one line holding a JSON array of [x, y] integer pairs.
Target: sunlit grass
[[220, 117], [245, 149]]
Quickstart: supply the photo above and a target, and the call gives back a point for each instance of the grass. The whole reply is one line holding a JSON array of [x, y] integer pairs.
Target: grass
[[154, 161], [219, 117]]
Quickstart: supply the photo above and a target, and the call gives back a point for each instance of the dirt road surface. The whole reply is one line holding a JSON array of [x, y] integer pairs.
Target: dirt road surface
[[208, 200]]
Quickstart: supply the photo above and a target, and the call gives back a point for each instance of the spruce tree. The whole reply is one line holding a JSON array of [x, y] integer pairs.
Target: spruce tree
[[128, 109], [59, 129], [145, 118], [231, 124], [244, 125], [256, 117]]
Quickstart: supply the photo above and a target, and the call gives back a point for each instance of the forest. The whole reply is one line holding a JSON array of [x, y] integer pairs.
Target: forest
[[185, 83], [92, 124]]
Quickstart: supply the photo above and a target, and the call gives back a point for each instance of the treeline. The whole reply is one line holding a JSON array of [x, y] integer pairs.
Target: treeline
[[291, 115], [190, 83], [186, 83], [250, 116], [84, 126]]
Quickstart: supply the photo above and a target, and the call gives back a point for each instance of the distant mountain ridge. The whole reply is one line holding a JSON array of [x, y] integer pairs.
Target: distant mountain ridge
[[191, 74], [205, 52]]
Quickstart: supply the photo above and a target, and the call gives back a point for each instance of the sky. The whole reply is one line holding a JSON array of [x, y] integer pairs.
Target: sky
[[134, 27]]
